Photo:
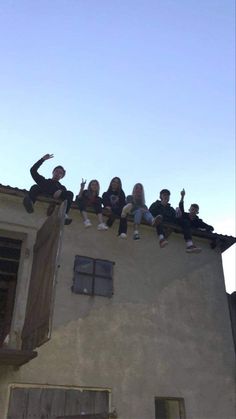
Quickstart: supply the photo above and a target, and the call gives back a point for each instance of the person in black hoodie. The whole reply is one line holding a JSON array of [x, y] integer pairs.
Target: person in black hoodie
[[192, 217], [113, 201], [49, 187], [163, 212]]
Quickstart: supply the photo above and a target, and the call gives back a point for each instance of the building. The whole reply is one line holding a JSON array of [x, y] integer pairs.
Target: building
[[97, 327]]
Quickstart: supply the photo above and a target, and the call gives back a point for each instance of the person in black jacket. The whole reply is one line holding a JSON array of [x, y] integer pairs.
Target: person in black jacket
[[163, 212], [192, 217], [113, 201], [49, 187]]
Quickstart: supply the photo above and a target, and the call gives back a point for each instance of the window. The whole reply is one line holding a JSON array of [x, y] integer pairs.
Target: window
[[58, 403], [93, 276], [31, 321], [10, 250], [169, 408]]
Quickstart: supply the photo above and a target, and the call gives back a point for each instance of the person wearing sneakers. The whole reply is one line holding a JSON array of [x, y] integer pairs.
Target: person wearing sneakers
[[48, 187], [136, 206], [113, 201], [192, 221], [90, 198], [163, 212]]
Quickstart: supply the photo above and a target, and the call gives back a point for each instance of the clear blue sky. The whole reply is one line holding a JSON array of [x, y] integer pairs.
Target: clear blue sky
[[141, 89]]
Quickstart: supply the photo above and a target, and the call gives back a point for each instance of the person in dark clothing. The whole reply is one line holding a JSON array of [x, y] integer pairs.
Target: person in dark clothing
[[90, 198], [113, 201], [48, 187], [162, 210], [192, 217]]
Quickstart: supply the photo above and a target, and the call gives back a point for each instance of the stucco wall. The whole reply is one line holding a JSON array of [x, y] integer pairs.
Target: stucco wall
[[165, 331]]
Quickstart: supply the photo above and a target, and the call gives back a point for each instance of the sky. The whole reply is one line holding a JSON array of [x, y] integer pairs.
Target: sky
[[140, 89]]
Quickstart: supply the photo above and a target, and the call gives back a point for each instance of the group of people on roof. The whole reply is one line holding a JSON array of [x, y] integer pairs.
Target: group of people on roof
[[117, 205]]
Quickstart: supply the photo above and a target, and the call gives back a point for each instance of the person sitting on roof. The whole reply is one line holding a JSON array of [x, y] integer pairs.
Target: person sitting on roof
[[163, 212], [136, 206], [192, 217], [49, 187], [90, 198]]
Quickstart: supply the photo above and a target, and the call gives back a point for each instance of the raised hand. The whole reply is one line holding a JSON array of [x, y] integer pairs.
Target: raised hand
[[48, 156], [82, 185], [182, 193]]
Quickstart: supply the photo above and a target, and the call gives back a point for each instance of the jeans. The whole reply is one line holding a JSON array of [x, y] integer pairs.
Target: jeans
[[141, 213]]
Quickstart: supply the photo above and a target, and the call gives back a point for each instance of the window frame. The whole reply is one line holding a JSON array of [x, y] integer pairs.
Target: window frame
[[27, 391], [8, 280], [181, 404], [93, 275]]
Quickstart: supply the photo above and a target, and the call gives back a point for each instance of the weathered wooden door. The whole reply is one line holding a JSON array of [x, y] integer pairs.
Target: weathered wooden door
[[38, 318], [57, 403]]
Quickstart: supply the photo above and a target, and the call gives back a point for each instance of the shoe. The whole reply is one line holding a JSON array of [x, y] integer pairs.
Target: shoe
[[123, 236], [157, 220], [87, 223], [67, 220], [136, 235], [51, 209], [102, 226], [163, 243], [193, 249], [28, 204]]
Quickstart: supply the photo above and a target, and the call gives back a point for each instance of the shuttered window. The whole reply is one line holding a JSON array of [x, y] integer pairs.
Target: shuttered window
[[169, 408], [38, 319], [93, 276], [58, 403]]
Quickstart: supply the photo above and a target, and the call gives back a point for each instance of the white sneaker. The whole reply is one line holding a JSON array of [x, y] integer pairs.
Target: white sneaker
[[123, 236], [193, 249], [87, 223], [136, 235], [102, 226]]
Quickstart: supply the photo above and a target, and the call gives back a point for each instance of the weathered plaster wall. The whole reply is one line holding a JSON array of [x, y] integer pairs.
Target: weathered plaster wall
[[165, 332]]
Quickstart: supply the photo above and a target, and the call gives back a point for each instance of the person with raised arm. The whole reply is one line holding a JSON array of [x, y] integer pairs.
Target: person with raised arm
[[48, 187]]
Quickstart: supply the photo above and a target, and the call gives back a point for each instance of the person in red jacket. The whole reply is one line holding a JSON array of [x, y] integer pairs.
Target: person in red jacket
[[48, 187], [90, 198]]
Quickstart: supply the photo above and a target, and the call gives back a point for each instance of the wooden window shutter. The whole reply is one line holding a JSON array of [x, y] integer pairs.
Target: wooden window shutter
[[38, 318]]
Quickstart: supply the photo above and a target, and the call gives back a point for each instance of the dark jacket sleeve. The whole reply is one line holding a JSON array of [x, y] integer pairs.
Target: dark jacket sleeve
[[201, 224], [106, 199], [181, 206], [153, 209], [34, 171]]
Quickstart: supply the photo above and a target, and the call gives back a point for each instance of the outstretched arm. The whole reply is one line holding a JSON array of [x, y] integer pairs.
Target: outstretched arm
[[35, 167], [82, 185], [181, 202], [204, 226]]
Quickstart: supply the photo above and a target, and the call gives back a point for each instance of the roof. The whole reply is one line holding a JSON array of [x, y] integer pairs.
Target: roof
[[216, 240]]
